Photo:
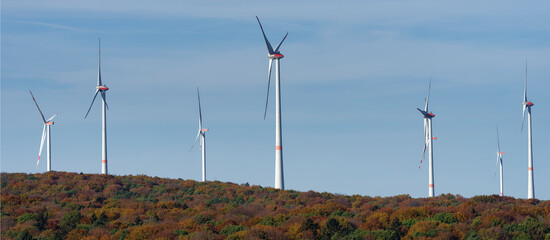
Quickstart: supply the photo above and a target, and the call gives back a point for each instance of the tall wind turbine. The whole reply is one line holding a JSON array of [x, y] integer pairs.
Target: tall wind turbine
[[45, 135], [527, 105], [100, 88], [202, 134], [275, 55], [499, 162], [428, 141]]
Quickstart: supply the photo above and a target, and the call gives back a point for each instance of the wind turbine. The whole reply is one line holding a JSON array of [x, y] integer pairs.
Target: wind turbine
[[428, 141], [527, 105], [499, 162], [202, 134], [45, 135], [275, 55], [100, 88]]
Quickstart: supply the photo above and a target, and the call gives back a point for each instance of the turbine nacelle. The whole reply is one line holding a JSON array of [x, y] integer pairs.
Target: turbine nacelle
[[204, 130], [426, 114], [48, 123], [528, 104], [275, 56], [101, 88]]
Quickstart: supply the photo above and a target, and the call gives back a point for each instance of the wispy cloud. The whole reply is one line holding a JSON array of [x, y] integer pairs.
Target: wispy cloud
[[57, 26]]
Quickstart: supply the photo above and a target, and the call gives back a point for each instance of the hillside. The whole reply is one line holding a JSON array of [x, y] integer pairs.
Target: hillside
[[59, 205]]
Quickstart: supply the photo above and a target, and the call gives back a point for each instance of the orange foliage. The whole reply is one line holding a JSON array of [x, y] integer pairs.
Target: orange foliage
[[141, 207]]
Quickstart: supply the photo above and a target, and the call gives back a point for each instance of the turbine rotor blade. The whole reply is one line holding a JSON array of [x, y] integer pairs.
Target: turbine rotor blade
[[42, 115], [278, 46], [97, 91], [41, 144], [524, 96], [200, 112], [269, 48], [55, 115], [104, 99], [422, 158], [99, 83], [499, 156], [525, 87], [523, 119], [426, 141], [268, 84], [197, 138], [498, 142], [428, 97]]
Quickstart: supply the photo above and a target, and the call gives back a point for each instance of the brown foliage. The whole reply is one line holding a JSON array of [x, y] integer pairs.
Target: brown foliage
[[141, 207]]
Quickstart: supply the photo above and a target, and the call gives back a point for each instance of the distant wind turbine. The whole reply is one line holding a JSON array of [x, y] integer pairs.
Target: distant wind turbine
[[499, 162], [45, 135], [527, 105], [202, 134], [428, 141], [100, 88], [275, 55]]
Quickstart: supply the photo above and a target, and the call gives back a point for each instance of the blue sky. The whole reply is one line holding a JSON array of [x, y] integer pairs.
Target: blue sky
[[352, 77]]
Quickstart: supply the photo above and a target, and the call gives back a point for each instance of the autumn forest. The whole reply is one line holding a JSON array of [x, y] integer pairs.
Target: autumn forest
[[60, 205]]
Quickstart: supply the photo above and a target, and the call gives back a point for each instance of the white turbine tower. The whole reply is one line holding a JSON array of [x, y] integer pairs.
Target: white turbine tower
[[499, 162], [428, 141], [275, 55], [45, 135], [527, 105], [100, 88], [202, 134]]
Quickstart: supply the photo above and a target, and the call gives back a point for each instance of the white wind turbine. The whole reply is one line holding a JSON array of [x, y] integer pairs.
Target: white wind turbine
[[275, 55], [202, 134], [499, 162], [45, 135], [100, 88], [428, 141], [527, 105]]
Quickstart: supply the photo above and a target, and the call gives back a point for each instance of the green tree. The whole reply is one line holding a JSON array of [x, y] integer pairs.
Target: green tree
[[69, 221], [395, 227], [310, 225], [42, 219], [25, 235], [102, 220], [445, 217]]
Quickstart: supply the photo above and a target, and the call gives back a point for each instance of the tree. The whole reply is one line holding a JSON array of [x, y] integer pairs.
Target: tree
[[25, 235], [42, 219], [69, 221]]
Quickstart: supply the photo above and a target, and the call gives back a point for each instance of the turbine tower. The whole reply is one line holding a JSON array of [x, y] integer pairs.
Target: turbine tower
[[275, 55], [428, 141], [202, 134], [100, 88], [499, 162], [527, 105], [45, 135]]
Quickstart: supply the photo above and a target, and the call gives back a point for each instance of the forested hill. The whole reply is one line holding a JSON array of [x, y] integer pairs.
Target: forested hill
[[59, 205]]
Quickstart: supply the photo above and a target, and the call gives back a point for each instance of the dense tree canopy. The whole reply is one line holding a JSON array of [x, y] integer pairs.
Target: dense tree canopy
[[59, 205]]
